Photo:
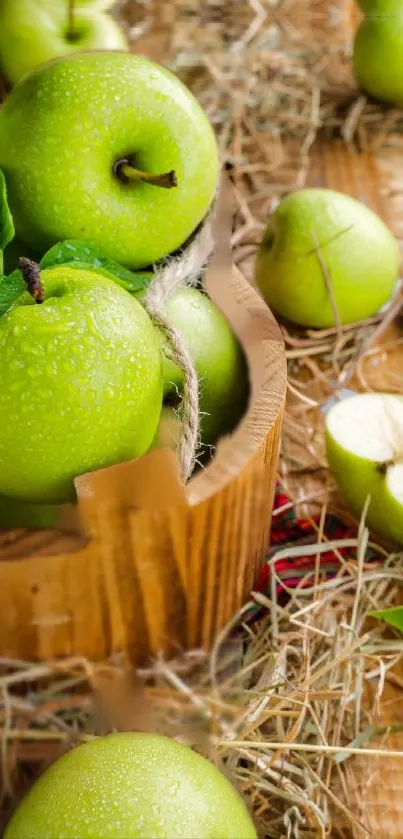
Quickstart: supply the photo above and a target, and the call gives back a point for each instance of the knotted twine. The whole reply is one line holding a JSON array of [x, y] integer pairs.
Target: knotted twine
[[172, 274]]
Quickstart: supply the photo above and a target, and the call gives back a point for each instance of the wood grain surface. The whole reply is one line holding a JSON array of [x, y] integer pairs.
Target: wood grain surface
[[146, 564]]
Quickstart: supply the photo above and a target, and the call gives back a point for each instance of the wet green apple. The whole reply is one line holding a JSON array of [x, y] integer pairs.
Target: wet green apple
[[364, 441], [218, 359], [131, 786], [378, 53], [318, 240], [33, 32], [80, 383], [107, 147]]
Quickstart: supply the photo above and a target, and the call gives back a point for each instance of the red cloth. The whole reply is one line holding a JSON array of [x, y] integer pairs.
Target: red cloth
[[289, 531]]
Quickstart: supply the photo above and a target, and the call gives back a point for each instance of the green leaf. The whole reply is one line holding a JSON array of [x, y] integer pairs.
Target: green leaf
[[11, 288], [87, 266], [87, 256], [393, 616], [103, 271], [6, 220]]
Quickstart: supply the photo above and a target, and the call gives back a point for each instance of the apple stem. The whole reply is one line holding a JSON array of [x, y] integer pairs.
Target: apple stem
[[127, 172], [71, 29], [32, 276], [383, 467]]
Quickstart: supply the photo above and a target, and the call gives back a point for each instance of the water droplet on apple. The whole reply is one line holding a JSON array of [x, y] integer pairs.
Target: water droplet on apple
[[16, 386]]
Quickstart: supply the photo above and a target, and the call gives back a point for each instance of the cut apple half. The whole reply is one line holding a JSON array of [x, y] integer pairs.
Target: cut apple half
[[364, 442]]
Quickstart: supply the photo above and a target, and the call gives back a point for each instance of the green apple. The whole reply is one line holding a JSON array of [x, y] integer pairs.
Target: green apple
[[380, 7], [20, 514], [364, 441], [378, 56], [92, 145], [131, 786], [218, 359], [80, 383], [168, 433], [33, 32], [319, 240]]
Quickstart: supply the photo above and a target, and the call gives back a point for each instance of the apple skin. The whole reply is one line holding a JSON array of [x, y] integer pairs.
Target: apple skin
[[19, 514], [358, 476], [132, 785], [360, 253], [380, 7], [168, 433], [33, 32], [80, 384], [218, 359], [64, 127], [378, 57]]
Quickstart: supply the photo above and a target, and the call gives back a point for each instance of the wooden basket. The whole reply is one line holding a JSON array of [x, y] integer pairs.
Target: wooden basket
[[157, 565]]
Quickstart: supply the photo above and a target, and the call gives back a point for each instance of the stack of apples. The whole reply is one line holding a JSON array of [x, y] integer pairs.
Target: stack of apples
[[108, 165]]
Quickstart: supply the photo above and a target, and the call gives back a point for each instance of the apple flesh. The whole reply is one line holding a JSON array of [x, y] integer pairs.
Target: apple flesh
[[218, 359], [132, 785], [364, 442], [77, 136], [80, 384], [378, 56], [33, 32], [318, 240]]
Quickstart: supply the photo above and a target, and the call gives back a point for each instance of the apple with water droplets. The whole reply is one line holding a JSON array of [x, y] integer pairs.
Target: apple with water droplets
[[107, 147], [364, 441], [80, 382], [33, 32], [133, 785]]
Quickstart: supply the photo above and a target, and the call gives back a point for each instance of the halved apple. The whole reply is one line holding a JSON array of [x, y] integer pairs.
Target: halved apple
[[364, 441]]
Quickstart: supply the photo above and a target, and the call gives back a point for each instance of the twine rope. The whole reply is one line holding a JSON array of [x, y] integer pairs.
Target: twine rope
[[170, 276]]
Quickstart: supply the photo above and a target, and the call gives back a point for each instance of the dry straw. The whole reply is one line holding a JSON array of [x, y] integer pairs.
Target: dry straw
[[286, 699]]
